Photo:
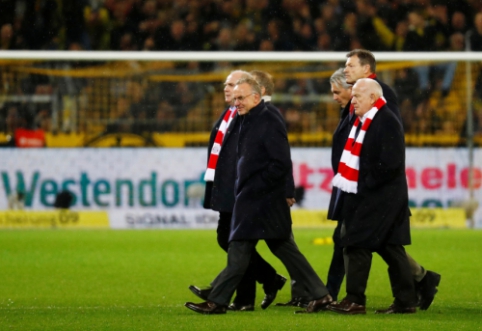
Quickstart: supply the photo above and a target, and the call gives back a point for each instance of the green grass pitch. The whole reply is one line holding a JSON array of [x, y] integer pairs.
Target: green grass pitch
[[138, 280]]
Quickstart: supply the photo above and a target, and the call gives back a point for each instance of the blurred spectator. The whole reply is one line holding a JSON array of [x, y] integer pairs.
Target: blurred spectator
[[98, 26], [365, 27], [458, 23], [274, 31], [6, 37], [121, 119], [127, 42], [347, 34], [224, 41], [323, 43], [175, 40], [475, 35], [245, 39], [74, 22], [303, 35], [122, 25], [266, 45], [182, 25], [421, 37], [164, 118], [42, 22]]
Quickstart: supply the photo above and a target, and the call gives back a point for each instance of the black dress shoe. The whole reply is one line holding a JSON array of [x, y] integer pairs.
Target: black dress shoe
[[202, 293], [277, 285], [317, 305], [395, 309], [295, 302], [346, 307], [207, 308], [427, 288], [238, 307]]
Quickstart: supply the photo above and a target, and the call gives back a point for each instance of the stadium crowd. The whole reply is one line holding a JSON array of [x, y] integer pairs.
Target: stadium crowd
[[238, 25]]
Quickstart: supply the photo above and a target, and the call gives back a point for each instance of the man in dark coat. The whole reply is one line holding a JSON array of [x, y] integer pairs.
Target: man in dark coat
[[361, 64], [299, 297], [219, 196], [260, 209], [375, 214], [341, 91]]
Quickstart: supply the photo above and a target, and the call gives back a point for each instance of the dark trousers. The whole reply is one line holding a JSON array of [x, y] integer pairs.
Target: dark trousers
[[358, 262], [258, 269], [239, 256], [336, 273]]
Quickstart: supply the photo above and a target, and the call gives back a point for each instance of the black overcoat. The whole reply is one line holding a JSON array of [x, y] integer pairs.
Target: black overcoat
[[219, 194], [263, 164], [339, 140], [378, 213], [290, 182]]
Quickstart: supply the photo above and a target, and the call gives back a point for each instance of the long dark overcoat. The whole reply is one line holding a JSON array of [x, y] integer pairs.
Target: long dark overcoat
[[263, 164], [378, 213], [339, 140], [290, 183]]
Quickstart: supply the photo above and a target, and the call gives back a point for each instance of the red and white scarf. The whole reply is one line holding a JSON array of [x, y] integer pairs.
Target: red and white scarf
[[218, 141], [347, 177]]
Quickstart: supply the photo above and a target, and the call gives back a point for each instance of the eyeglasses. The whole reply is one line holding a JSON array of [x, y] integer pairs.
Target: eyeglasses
[[241, 99]]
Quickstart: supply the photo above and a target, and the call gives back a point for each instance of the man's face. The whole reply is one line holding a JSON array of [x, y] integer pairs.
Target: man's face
[[340, 94], [361, 100], [229, 86], [354, 70], [244, 98]]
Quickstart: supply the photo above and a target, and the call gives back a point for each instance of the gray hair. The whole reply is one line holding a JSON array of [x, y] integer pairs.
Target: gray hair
[[338, 78], [248, 79]]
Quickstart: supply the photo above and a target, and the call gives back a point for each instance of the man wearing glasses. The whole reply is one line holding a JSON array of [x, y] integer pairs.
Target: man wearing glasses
[[219, 196]]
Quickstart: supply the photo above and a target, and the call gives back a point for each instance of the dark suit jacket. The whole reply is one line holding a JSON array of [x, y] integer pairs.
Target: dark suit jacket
[[219, 194], [338, 144], [378, 213], [263, 164]]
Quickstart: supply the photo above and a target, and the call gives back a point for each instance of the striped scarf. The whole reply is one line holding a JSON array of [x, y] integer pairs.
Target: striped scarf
[[218, 141], [347, 177]]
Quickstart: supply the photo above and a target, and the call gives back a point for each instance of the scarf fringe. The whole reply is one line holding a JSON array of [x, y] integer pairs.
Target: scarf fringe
[[344, 184]]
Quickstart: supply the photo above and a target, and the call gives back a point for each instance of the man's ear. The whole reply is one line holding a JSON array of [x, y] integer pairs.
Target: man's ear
[[263, 90]]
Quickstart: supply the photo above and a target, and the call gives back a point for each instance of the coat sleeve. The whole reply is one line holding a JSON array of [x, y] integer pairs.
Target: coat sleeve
[[278, 150]]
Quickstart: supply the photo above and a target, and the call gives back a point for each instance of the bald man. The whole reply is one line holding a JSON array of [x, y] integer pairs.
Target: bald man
[[361, 63], [375, 214]]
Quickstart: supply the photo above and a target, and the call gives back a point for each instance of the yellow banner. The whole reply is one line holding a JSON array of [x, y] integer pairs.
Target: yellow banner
[[421, 218], [53, 219]]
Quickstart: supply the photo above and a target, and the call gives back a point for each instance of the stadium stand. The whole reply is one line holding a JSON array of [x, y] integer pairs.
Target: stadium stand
[[174, 104]]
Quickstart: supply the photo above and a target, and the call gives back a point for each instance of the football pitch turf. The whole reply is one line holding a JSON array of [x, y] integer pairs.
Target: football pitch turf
[[138, 280]]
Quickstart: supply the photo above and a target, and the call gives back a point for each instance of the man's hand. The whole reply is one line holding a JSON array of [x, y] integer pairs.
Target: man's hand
[[290, 201]]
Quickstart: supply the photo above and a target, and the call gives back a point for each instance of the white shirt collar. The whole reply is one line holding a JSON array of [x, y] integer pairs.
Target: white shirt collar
[[266, 98]]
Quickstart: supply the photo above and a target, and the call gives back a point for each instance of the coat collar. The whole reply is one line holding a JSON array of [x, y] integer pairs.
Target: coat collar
[[256, 110]]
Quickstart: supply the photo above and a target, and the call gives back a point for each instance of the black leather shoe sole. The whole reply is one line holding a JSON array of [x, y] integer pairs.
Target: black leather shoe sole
[[195, 308], [200, 293]]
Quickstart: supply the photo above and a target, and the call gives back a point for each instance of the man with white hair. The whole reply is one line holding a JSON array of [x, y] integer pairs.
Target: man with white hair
[[375, 214], [361, 63]]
